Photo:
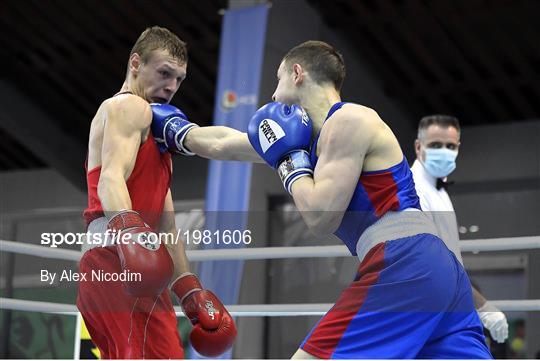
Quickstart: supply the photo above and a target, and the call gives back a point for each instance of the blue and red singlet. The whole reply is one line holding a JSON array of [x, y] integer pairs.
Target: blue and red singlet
[[411, 298]]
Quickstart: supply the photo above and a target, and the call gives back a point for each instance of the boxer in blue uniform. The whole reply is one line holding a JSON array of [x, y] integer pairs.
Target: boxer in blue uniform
[[347, 175]]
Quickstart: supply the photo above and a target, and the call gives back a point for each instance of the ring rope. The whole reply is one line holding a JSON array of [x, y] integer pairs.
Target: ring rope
[[474, 246], [275, 310]]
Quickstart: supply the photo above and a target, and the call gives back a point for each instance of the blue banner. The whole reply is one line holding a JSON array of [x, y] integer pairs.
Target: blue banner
[[227, 193]]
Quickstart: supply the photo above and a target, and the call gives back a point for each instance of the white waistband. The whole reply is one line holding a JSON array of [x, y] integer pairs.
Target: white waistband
[[394, 225], [97, 227]]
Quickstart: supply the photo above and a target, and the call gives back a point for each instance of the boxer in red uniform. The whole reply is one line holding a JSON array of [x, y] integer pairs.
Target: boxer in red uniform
[[129, 197]]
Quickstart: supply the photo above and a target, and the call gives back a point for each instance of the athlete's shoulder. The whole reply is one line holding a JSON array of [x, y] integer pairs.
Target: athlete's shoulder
[[355, 116], [128, 108], [355, 112], [126, 102]]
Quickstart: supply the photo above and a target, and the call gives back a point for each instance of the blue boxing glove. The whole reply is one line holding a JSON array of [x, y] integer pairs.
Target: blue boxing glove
[[281, 134], [169, 127]]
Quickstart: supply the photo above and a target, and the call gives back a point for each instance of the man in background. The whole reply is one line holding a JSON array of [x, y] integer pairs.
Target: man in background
[[436, 149]]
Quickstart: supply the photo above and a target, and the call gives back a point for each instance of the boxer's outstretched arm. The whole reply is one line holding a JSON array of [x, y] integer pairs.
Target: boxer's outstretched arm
[[221, 143], [323, 199], [127, 117], [169, 235]]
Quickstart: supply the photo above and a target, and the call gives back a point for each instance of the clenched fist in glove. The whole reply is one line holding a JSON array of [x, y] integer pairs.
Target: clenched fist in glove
[[495, 321], [281, 134], [170, 127], [140, 252], [213, 330]]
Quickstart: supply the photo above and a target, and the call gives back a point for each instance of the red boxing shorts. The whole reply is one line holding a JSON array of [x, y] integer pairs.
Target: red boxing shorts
[[122, 326]]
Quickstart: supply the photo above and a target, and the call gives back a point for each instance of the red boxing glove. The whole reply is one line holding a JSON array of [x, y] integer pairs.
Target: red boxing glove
[[141, 253], [213, 331]]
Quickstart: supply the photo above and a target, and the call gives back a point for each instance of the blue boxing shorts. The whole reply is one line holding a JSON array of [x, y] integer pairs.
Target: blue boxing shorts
[[410, 299]]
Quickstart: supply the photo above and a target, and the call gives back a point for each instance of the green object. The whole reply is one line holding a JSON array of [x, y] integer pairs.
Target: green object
[[37, 335]]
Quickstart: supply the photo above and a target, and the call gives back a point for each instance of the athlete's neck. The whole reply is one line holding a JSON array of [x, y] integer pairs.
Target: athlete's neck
[[130, 85], [318, 103]]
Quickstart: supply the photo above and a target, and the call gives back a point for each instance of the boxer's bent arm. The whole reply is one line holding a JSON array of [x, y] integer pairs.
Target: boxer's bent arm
[[323, 199], [221, 143], [127, 117], [169, 234], [478, 298]]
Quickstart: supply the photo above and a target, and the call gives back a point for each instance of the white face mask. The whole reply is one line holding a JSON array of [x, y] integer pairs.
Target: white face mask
[[440, 162]]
